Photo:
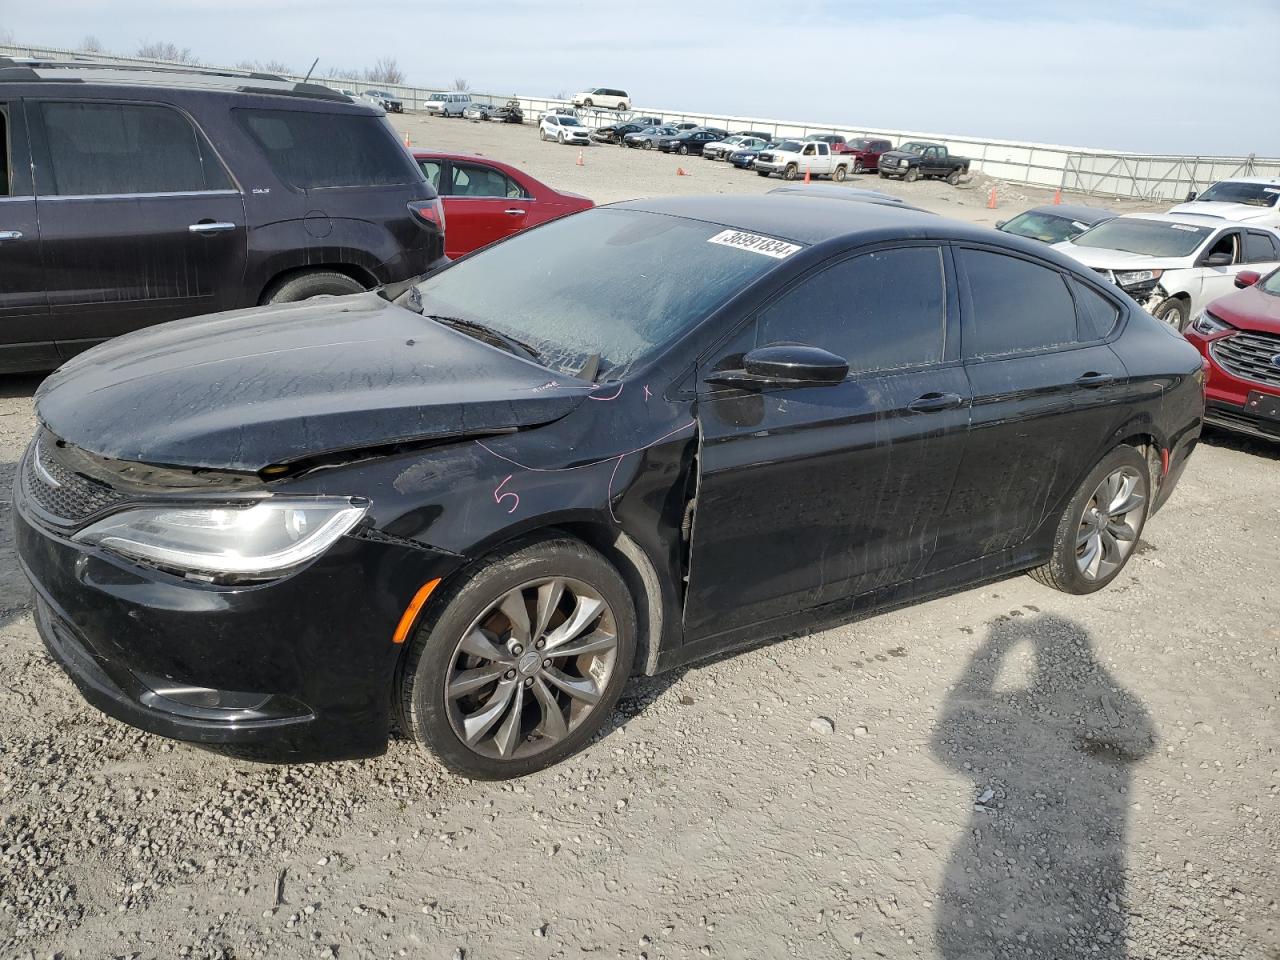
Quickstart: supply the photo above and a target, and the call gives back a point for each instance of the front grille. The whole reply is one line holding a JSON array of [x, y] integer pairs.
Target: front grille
[[1249, 356], [60, 492]]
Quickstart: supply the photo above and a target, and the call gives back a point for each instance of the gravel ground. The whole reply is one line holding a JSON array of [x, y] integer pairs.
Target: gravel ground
[[1007, 772]]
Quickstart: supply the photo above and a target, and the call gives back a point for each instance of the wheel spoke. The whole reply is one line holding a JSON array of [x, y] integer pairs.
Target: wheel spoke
[[587, 609], [549, 595], [477, 724], [469, 681], [1121, 531], [1092, 556], [1111, 552], [508, 736], [1124, 488], [515, 610], [580, 688], [591, 643], [478, 644], [1127, 505], [1086, 531], [553, 726]]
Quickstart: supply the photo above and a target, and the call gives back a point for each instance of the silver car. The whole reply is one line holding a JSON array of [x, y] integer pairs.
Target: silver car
[[647, 138]]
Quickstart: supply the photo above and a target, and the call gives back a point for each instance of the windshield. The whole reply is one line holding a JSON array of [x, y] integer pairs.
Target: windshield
[[569, 122], [913, 147], [788, 146], [1155, 238], [618, 283], [1253, 194], [1044, 226], [1271, 282], [860, 143], [437, 96]]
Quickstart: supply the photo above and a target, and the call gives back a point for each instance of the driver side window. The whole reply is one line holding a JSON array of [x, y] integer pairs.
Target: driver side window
[[1227, 243], [880, 311]]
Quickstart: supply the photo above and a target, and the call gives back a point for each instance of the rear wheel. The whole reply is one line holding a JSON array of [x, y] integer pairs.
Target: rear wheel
[[912, 175], [520, 663], [1175, 311], [953, 177], [622, 106], [316, 283], [1100, 526]]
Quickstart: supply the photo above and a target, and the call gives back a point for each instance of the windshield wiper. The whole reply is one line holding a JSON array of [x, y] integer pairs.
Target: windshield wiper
[[489, 335]]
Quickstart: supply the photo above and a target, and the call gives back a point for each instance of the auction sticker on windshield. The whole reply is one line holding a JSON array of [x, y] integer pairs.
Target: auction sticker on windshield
[[753, 242]]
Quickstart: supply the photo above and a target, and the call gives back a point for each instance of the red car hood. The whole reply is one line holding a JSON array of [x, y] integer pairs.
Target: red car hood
[[1249, 309]]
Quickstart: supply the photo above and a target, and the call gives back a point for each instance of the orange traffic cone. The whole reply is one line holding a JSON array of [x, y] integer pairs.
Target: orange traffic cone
[[406, 139], [680, 172], [1057, 197], [581, 162], [806, 175], [991, 199]]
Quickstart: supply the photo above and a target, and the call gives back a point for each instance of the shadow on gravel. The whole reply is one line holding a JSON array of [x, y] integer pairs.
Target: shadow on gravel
[[1040, 872], [1229, 440], [20, 385], [15, 592]]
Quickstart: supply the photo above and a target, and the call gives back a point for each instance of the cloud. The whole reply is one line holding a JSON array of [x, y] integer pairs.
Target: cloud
[[1142, 76]]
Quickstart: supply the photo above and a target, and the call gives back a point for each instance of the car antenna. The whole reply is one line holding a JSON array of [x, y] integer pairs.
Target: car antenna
[[313, 66]]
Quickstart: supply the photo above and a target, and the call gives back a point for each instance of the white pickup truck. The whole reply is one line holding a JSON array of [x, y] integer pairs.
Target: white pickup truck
[[793, 158]]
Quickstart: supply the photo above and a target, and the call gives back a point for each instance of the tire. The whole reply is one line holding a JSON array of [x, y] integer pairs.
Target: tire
[[684, 151], [587, 103], [912, 175], [953, 177], [858, 167], [791, 172], [762, 173], [1174, 311], [839, 174], [427, 713], [648, 144], [560, 137], [315, 283], [1064, 570], [622, 106]]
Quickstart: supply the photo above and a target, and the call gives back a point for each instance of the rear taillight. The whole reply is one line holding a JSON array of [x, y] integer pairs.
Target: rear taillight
[[430, 213]]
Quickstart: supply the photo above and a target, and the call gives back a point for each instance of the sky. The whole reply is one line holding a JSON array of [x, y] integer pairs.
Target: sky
[[1174, 76]]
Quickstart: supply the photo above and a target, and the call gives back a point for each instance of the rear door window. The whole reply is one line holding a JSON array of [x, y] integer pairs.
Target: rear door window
[[309, 149], [1014, 305], [478, 180], [97, 149], [880, 311], [431, 170], [1260, 248]]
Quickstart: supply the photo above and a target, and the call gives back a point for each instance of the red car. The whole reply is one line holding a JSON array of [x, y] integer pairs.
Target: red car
[[486, 200], [866, 152], [1239, 335]]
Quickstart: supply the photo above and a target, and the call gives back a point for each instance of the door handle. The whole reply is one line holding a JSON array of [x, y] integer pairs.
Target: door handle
[[933, 402], [514, 212], [211, 227], [1094, 380], [10, 234]]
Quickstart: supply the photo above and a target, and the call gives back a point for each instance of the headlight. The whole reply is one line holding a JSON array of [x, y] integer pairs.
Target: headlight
[[1132, 277], [257, 540], [1206, 323]]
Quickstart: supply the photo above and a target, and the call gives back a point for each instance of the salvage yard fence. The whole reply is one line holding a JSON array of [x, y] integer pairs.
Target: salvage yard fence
[[1103, 173]]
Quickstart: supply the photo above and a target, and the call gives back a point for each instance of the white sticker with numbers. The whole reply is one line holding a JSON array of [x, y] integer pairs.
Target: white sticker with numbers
[[754, 243]]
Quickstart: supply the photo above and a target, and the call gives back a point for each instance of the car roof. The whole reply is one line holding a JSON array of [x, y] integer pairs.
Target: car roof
[[834, 192], [818, 219], [1190, 219], [1074, 211], [1266, 180]]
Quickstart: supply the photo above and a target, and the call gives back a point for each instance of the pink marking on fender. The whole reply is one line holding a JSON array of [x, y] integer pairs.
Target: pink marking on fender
[[647, 394], [499, 496], [614, 397]]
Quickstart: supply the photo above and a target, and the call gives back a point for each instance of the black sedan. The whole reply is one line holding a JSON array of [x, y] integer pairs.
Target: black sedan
[[505, 500], [615, 132], [1054, 223], [689, 142]]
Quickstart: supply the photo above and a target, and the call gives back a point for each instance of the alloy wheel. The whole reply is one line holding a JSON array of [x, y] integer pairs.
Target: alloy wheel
[[1108, 527], [531, 668]]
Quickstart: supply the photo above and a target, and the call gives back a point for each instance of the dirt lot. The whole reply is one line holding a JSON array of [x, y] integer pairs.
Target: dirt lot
[[1007, 772]]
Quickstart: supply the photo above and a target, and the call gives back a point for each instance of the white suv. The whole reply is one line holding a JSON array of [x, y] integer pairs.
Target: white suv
[[555, 126], [1253, 200], [447, 104], [1174, 264], [605, 98]]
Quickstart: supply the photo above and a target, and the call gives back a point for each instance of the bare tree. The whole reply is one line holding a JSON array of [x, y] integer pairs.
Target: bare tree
[[6, 37], [166, 50], [460, 84], [264, 66], [386, 70], [91, 44], [560, 95]]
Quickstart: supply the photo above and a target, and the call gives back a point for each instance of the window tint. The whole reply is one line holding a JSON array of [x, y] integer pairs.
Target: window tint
[[879, 311], [1016, 305], [1226, 243], [1098, 315], [122, 148], [1259, 248], [476, 180], [431, 170], [309, 150], [5, 188]]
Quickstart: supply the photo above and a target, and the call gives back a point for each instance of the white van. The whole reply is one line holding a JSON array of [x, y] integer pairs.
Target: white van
[[603, 98], [447, 104]]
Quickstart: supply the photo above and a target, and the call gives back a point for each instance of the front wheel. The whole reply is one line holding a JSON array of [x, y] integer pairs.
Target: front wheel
[[648, 144], [912, 175], [857, 166], [587, 103], [521, 662], [839, 175], [1100, 526], [1175, 312], [684, 151], [791, 172], [762, 173]]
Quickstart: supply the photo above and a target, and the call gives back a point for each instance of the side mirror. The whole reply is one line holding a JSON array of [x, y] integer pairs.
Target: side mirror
[[785, 365], [1000, 224], [1247, 278], [1218, 260], [1191, 196]]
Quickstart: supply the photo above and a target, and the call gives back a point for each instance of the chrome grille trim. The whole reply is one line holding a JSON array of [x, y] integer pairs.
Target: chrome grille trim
[[1248, 356]]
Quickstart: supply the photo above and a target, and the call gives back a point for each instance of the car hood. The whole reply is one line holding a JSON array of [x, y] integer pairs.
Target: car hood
[[243, 390], [1102, 259], [896, 154], [1227, 211], [1249, 309]]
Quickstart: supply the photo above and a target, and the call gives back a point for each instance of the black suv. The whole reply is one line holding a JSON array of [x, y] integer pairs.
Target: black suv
[[130, 197]]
